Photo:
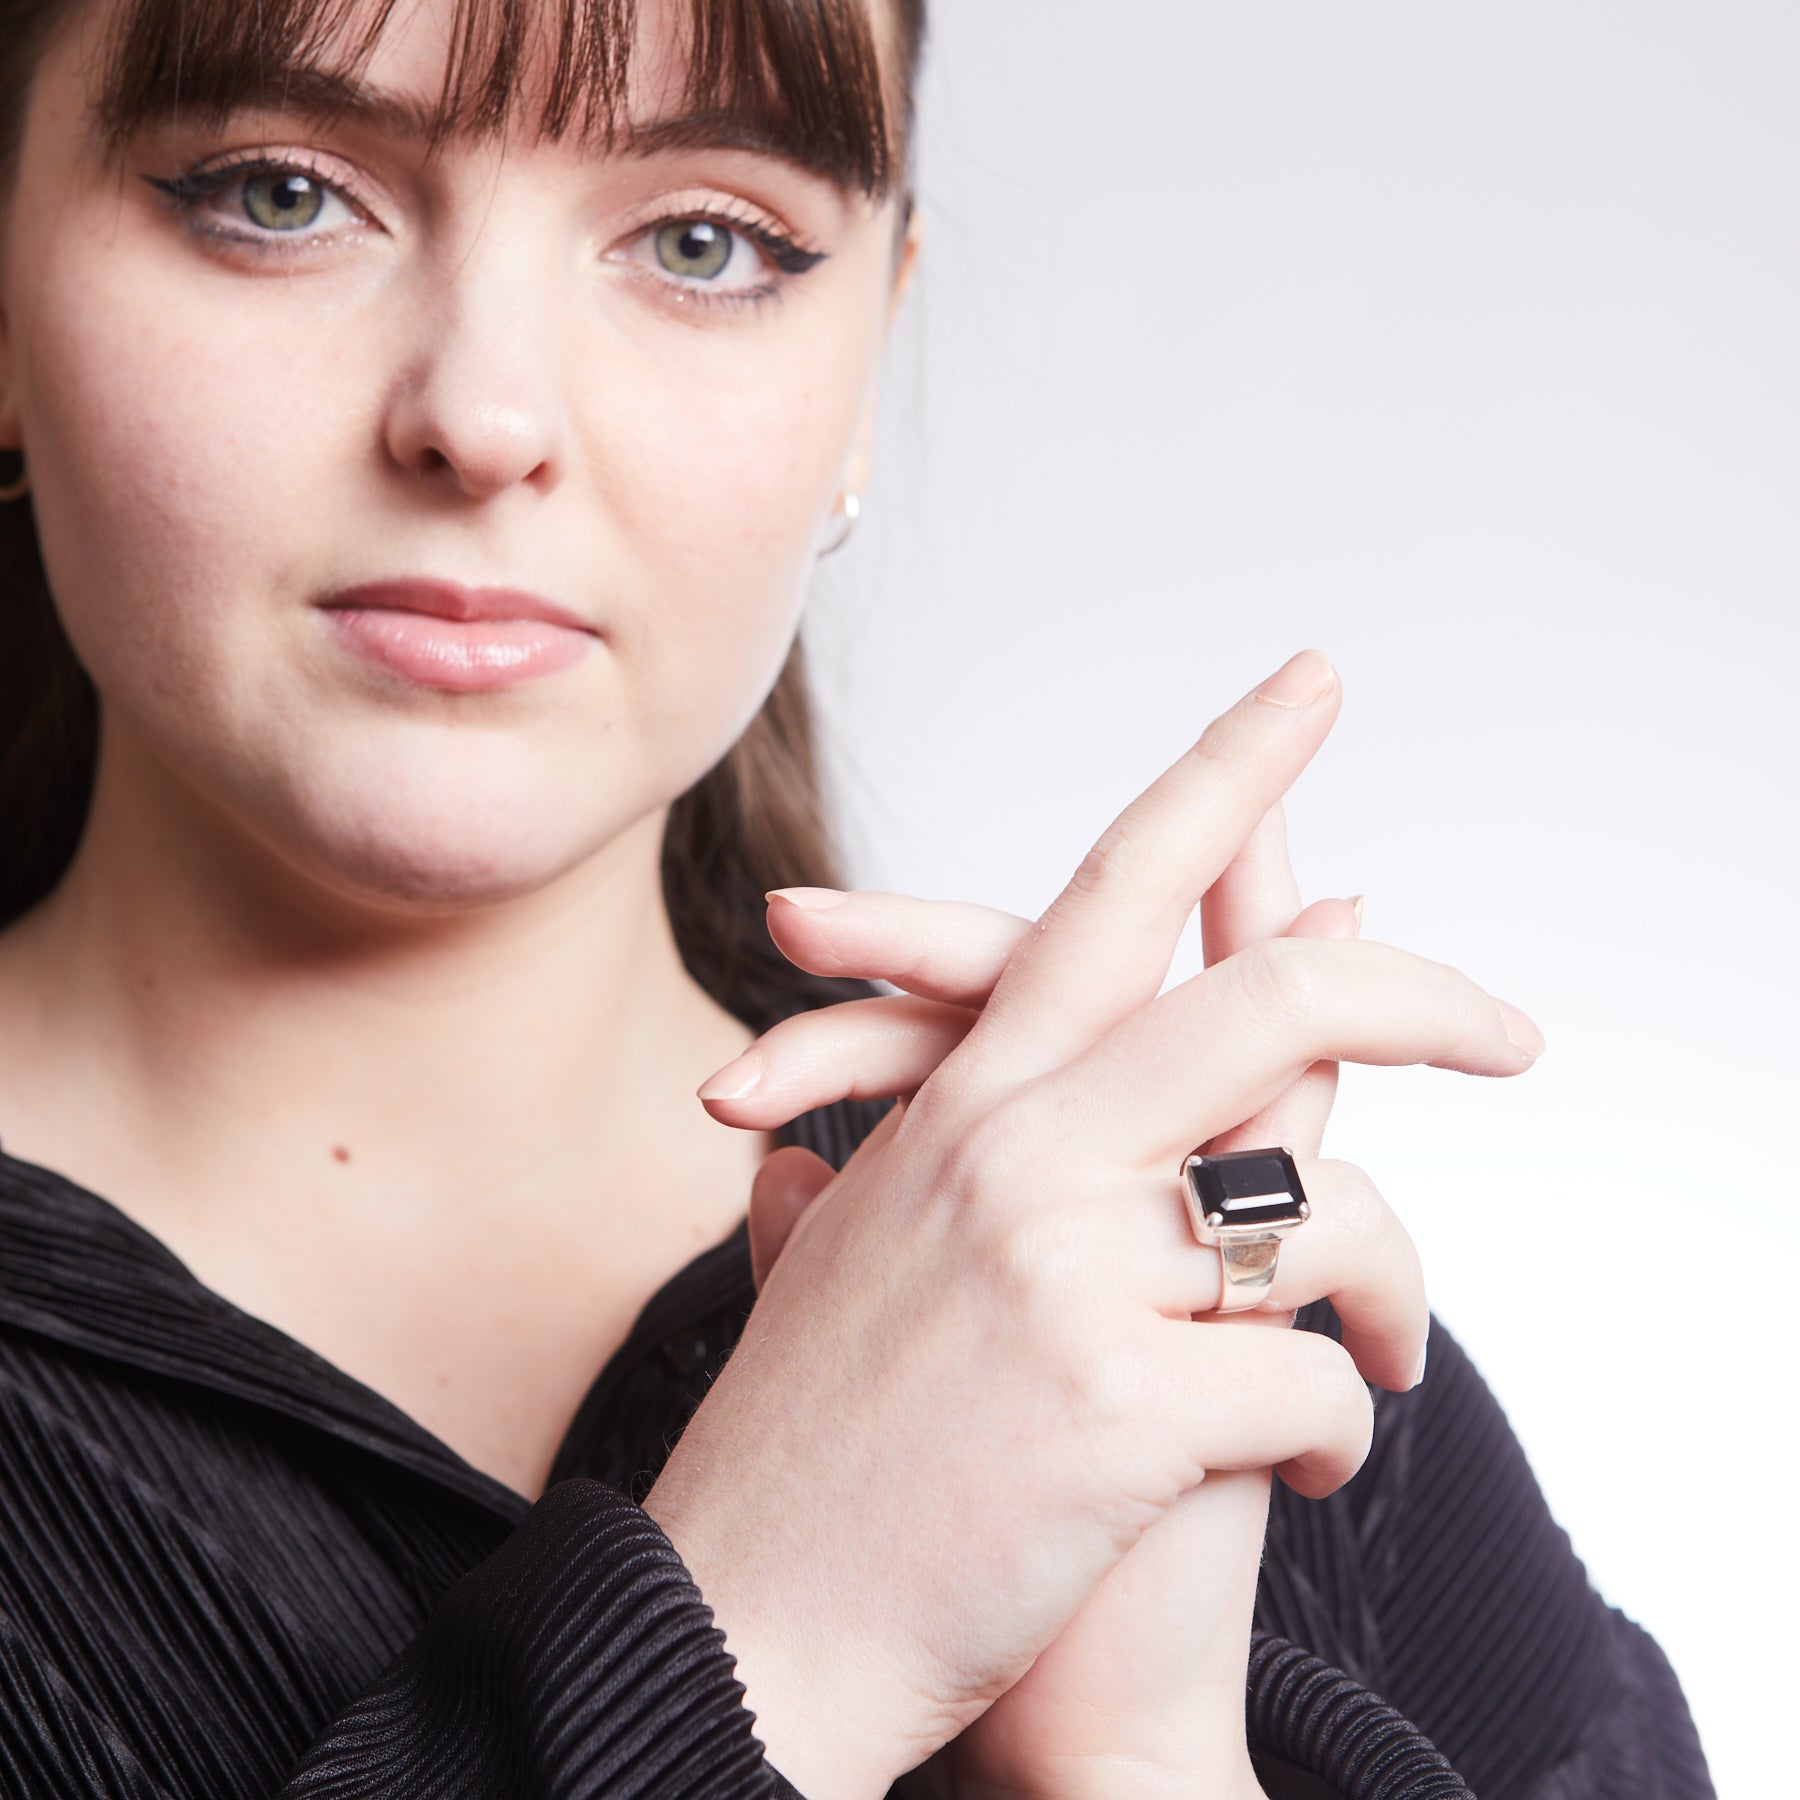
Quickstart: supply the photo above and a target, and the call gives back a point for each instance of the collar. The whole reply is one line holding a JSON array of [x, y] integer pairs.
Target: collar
[[77, 1269]]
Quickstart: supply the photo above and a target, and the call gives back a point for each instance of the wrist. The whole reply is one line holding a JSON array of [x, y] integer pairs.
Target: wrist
[[825, 1717]]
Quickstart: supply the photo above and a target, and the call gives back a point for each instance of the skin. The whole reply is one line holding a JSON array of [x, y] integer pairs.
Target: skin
[[322, 919], [353, 987], [1141, 1695], [982, 1341]]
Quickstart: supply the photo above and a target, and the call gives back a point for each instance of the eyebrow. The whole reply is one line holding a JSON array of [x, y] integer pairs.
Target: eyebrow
[[323, 97], [326, 97]]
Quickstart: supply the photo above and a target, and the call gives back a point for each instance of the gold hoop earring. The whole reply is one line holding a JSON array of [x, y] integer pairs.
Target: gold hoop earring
[[17, 490], [850, 505]]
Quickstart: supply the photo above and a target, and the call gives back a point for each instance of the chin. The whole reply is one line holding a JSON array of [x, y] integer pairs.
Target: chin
[[456, 835], [421, 871]]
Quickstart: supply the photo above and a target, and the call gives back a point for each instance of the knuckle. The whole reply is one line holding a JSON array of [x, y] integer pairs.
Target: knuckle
[[992, 1158], [947, 1103], [1033, 1253], [1281, 976], [1036, 1266], [929, 1117], [1221, 749], [1264, 1388], [1112, 859], [1104, 1389], [1355, 1200], [1334, 1382], [1100, 1385], [1469, 1007], [919, 967]]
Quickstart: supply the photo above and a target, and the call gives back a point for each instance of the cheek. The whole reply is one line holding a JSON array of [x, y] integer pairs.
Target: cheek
[[161, 486], [728, 482]]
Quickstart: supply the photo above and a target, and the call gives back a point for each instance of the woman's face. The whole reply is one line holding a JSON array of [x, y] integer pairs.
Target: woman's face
[[511, 366]]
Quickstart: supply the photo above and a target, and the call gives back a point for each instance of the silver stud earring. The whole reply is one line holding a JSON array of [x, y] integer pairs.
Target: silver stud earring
[[16, 490], [850, 506]]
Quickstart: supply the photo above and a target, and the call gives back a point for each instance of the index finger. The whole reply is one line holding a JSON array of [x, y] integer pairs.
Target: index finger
[[1255, 896], [1104, 946]]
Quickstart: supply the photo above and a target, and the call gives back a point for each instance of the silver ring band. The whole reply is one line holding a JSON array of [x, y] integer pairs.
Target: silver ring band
[[1241, 1203]]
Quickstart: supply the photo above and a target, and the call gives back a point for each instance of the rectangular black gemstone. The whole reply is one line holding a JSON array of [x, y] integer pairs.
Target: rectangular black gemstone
[[1249, 1187]]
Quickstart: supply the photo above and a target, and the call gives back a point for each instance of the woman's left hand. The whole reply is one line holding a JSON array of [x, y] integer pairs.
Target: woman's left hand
[[1143, 1693]]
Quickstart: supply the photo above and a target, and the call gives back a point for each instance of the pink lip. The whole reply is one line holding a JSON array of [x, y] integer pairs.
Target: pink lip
[[467, 640]]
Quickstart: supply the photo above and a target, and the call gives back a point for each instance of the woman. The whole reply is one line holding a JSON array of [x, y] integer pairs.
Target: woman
[[426, 425]]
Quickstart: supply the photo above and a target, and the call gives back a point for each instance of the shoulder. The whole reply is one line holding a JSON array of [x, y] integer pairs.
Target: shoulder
[[1440, 1580]]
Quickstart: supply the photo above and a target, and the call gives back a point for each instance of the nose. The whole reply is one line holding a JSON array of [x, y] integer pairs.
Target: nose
[[479, 403]]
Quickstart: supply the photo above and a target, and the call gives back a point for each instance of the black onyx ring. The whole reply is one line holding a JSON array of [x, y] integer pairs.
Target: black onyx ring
[[1239, 1203]]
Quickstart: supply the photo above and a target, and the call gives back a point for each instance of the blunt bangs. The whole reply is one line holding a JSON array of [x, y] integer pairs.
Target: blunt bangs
[[801, 79]]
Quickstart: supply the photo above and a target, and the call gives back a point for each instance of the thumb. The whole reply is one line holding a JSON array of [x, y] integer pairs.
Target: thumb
[[788, 1182]]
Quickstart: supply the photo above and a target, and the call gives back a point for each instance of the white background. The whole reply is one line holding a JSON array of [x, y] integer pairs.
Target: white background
[[1459, 341]]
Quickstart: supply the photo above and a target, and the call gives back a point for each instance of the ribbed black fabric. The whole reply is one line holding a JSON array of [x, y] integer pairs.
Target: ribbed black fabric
[[1438, 1580], [228, 1569]]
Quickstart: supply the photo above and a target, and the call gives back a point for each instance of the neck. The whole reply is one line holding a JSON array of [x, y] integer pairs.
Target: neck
[[225, 1020]]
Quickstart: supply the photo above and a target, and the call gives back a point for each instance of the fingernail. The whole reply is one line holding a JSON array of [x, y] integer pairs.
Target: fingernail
[[809, 899], [736, 1081], [1521, 1033], [1356, 901], [1299, 681], [1419, 1372]]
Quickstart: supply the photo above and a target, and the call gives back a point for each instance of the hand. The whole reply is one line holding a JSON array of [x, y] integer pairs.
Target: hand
[[1143, 1692], [971, 1382]]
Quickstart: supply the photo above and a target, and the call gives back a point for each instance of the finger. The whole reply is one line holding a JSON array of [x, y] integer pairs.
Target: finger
[[782, 1195], [1296, 1117], [1104, 946], [1369, 1268], [1333, 918], [938, 949], [1298, 1114], [856, 1050], [788, 1182], [1290, 1400], [1256, 897], [1351, 1249], [1220, 1046]]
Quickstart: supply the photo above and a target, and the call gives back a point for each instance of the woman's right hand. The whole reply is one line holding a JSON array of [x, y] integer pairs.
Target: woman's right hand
[[972, 1382]]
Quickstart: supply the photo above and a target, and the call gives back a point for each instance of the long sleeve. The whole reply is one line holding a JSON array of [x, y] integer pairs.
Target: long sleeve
[[577, 1660], [1438, 1581], [228, 1571]]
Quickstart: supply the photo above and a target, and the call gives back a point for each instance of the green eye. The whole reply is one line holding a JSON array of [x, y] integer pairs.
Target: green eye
[[696, 248], [282, 200]]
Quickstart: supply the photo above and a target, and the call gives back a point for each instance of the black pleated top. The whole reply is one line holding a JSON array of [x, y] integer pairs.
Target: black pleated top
[[230, 1570]]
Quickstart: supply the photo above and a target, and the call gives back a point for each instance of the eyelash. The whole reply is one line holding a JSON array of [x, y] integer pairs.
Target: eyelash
[[190, 189]]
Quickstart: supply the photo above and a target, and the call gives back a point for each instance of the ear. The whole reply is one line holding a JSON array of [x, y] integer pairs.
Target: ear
[[907, 259], [862, 445]]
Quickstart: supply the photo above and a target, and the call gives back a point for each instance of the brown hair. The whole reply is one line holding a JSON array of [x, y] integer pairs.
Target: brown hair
[[806, 77]]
